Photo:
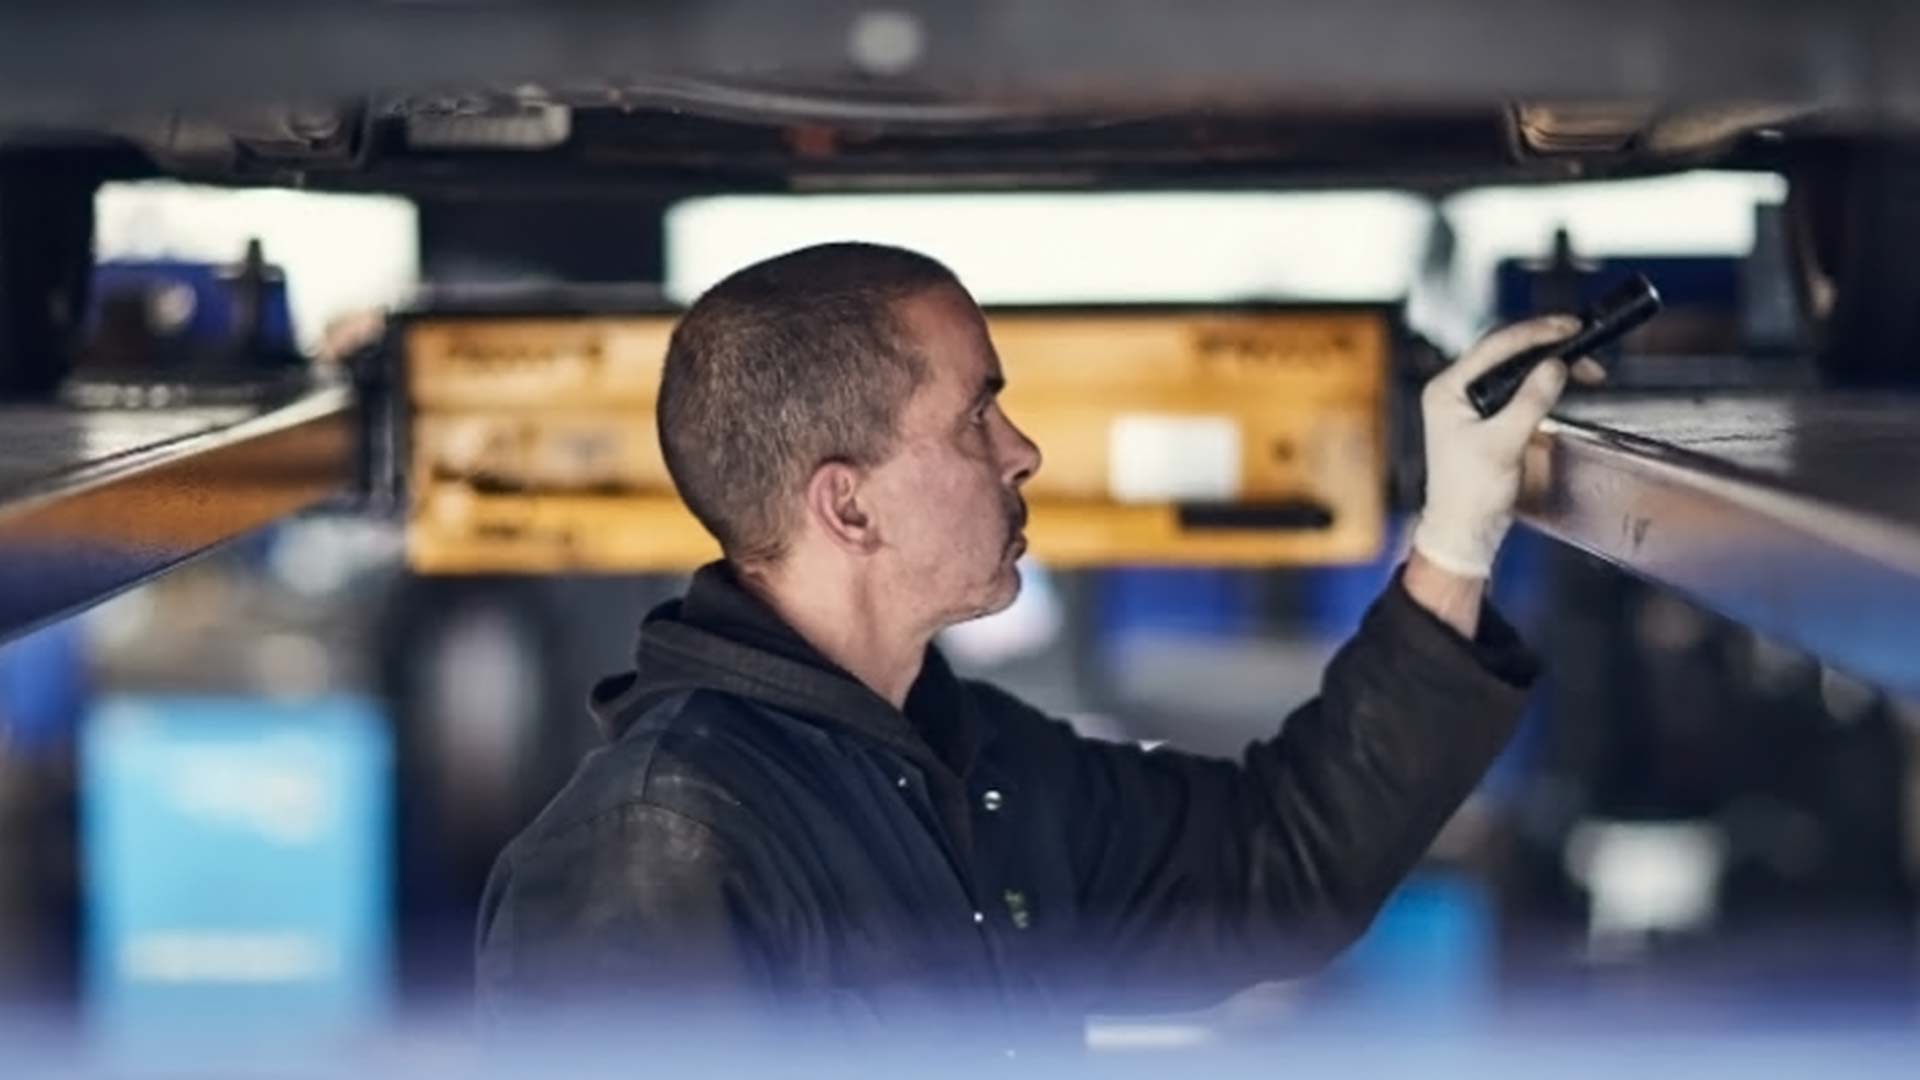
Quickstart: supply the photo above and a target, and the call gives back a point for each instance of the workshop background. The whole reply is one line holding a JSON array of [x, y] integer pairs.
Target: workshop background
[[246, 809]]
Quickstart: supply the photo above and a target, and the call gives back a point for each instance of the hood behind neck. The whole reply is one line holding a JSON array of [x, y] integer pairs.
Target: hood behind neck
[[721, 637]]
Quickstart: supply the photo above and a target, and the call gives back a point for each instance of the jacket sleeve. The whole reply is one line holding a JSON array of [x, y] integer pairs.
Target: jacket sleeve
[[637, 911], [1198, 877]]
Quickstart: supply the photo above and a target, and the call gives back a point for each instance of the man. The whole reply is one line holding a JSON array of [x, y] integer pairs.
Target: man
[[803, 815]]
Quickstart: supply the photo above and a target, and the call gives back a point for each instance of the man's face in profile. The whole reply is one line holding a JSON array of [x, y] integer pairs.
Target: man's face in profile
[[950, 495]]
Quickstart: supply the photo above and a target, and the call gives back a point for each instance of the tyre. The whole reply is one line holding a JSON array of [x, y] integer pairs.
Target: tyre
[[46, 263], [1855, 219]]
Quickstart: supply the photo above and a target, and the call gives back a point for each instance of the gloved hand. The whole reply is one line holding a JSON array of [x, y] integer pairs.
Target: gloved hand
[[1473, 465]]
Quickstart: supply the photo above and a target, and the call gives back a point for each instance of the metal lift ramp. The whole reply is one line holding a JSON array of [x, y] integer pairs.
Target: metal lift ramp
[[93, 501], [1797, 513]]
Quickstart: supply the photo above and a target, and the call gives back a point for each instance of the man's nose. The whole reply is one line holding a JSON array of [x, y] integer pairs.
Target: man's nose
[[1025, 459]]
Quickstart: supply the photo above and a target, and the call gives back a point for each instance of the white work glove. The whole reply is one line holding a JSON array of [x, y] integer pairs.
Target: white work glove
[[1473, 465]]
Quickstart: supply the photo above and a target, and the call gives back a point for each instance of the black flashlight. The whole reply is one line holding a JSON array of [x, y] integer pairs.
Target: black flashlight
[[1625, 307]]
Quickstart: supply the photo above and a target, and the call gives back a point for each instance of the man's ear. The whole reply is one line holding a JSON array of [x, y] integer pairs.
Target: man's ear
[[834, 502]]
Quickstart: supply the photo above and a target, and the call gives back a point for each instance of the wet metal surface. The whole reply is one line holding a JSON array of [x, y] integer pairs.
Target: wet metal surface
[[94, 501], [1797, 514]]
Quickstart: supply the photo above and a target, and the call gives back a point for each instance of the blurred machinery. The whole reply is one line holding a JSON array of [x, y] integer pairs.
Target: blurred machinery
[[1202, 437], [161, 332]]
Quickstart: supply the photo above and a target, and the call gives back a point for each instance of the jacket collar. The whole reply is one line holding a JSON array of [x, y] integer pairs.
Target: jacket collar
[[722, 637]]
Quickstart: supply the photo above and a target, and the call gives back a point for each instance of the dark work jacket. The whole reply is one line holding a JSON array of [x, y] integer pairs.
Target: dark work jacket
[[764, 837]]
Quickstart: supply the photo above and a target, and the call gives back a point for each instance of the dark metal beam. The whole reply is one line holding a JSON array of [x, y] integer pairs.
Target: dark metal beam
[[1798, 515], [73, 61], [95, 501]]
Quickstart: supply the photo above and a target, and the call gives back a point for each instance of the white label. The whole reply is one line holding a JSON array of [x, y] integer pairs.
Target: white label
[[1155, 458]]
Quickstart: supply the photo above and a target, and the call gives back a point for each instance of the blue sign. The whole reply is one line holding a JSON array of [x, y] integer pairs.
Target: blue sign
[[237, 877]]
